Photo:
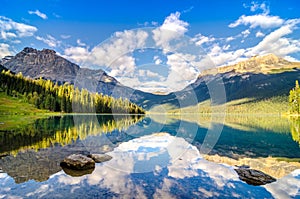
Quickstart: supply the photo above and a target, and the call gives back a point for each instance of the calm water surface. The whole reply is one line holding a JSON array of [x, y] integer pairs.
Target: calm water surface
[[153, 157]]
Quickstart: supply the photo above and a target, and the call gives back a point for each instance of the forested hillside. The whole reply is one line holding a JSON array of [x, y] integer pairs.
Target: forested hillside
[[45, 94]]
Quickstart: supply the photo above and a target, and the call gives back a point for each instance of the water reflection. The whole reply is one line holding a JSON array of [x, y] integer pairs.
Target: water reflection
[[63, 130], [146, 163], [295, 129], [170, 176]]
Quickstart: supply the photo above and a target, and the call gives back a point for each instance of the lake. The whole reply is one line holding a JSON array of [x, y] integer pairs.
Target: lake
[[152, 157]]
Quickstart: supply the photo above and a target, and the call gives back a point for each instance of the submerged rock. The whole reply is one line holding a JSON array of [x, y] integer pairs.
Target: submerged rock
[[78, 162], [77, 173], [254, 177], [100, 157]]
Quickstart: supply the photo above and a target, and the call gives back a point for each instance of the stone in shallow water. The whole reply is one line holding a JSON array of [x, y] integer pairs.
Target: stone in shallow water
[[77, 173], [254, 177], [100, 157], [78, 162]]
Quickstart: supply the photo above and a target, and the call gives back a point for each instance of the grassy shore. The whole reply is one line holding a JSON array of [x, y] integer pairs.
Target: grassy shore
[[247, 106], [15, 113]]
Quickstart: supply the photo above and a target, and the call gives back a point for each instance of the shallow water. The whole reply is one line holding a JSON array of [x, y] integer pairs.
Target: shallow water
[[152, 157]]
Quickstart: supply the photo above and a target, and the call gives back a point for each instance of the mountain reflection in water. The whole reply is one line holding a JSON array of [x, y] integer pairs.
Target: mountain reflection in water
[[145, 163], [175, 169]]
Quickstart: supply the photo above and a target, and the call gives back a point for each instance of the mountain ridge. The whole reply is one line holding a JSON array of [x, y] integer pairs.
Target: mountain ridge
[[258, 77], [256, 64], [47, 64]]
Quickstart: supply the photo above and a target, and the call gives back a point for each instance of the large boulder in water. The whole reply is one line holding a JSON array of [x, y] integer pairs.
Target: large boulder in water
[[254, 177], [78, 162]]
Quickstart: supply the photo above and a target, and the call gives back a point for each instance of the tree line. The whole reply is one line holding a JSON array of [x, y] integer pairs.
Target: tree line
[[294, 99], [45, 94]]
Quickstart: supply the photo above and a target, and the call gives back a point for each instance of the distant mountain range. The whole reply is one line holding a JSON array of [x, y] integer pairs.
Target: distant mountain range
[[259, 77]]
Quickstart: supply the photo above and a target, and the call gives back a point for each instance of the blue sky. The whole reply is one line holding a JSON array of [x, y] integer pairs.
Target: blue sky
[[115, 35]]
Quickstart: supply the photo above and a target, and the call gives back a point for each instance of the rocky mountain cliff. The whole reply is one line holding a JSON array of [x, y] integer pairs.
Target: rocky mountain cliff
[[257, 64], [41, 63], [47, 64]]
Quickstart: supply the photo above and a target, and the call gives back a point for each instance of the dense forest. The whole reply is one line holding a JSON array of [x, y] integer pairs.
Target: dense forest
[[294, 99], [45, 94]]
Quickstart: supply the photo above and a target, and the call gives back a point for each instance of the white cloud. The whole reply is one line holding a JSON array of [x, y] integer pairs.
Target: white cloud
[[7, 35], [226, 47], [246, 33], [80, 43], [228, 39], [256, 6], [49, 40], [149, 73], [12, 29], [4, 50], [76, 54], [219, 57], [111, 54], [156, 60], [173, 23], [38, 13], [200, 39], [277, 43], [172, 28], [182, 70], [259, 34], [259, 20]]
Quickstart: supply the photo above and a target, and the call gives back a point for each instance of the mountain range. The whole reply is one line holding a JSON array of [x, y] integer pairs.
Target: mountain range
[[258, 77]]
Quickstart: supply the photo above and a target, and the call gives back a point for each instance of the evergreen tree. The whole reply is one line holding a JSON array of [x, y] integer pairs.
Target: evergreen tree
[[294, 99]]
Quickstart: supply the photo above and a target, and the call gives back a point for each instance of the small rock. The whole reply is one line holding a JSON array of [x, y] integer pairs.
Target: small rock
[[77, 173], [2, 155], [254, 177], [100, 157], [78, 162]]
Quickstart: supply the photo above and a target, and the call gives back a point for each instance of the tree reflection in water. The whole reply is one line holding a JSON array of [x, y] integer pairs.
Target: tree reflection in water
[[295, 129], [61, 130]]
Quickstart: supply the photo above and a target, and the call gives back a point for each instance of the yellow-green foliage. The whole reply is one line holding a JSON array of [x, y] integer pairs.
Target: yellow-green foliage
[[294, 100], [45, 133], [45, 94]]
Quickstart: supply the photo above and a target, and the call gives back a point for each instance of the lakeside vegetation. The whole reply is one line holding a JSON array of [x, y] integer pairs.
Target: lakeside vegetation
[[15, 113], [64, 130], [45, 94], [247, 106], [294, 100]]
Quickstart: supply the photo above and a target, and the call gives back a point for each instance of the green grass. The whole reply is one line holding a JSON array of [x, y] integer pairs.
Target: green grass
[[273, 105], [15, 113]]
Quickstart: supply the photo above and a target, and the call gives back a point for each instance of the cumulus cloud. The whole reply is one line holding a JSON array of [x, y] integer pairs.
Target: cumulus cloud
[[172, 28], [38, 13], [76, 54], [259, 20], [200, 39], [4, 50], [246, 33], [259, 34], [220, 57], [110, 54], [49, 40], [12, 29]]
